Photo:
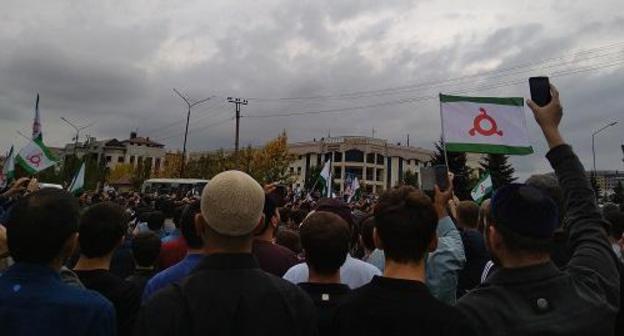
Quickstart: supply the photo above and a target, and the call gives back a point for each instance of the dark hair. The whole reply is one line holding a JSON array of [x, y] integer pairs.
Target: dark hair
[[289, 239], [146, 248], [187, 225], [101, 228], [39, 224], [284, 214], [155, 220], [366, 232], [341, 209], [616, 219], [270, 210], [468, 214], [406, 223], [298, 216], [325, 239]]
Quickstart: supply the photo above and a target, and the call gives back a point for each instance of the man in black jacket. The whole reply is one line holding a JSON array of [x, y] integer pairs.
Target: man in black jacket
[[528, 294], [228, 293]]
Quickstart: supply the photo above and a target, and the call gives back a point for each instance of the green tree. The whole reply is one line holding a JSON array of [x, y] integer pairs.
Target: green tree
[[312, 176], [499, 168], [594, 183], [457, 165], [140, 174]]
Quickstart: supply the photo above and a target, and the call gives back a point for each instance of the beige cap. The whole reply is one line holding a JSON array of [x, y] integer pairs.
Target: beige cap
[[232, 203]]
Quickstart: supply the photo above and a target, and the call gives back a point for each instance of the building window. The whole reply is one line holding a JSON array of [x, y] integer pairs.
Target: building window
[[132, 159], [120, 159], [380, 159], [157, 164], [380, 175], [337, 172], [108, 158], [370, 158], [300, 157], [337, 157], [354, 155], [354, 171], [292, 170], [369, 174], [298, 170]]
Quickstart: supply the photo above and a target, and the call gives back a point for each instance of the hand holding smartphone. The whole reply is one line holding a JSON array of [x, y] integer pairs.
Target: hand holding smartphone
[[540, 90]]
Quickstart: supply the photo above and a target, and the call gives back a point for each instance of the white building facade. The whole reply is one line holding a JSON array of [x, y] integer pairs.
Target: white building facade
[[377, 164]]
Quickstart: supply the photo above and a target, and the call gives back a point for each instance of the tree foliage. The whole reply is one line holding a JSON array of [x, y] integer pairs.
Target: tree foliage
[[312, 176], [120, 172], [457, 165], [410, 178], [618, 194], [501, 171]]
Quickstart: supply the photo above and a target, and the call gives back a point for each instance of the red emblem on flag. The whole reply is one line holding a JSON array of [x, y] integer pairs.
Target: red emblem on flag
[[34, 159], [492, 128]]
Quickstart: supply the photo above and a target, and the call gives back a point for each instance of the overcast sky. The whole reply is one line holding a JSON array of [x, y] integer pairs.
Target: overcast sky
[[362, 64]]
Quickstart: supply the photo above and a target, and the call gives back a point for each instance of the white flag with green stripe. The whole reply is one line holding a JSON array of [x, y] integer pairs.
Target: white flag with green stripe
[[35, 157], [482, 189], [77, 184], [484, 125]]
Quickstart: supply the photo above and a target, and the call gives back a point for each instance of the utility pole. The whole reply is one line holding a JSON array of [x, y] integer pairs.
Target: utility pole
[[238, 102], [188, 117]]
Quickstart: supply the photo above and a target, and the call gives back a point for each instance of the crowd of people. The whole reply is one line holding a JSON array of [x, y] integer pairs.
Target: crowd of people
[[538, 258]]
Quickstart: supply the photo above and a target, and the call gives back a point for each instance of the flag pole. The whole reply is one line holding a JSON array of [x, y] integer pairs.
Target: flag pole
[[443, 134]]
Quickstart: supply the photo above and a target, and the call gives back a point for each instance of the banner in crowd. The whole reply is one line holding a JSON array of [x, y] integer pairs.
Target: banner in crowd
[[484, 125], [325, 179], [36, 129], [352, 188], [8, 169], [77, 184], [35, 157], [482, 189]]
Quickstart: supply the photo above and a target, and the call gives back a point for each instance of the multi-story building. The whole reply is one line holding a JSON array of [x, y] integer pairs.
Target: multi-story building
[[377, 164], [608, 179], [112, 152]]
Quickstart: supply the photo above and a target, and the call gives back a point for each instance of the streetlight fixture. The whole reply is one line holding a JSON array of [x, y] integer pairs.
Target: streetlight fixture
[[188, 116], [78, 129], [593, 141]]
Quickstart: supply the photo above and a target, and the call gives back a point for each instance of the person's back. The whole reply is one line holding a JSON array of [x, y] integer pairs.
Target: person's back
[[227, 293], [528, 294], [469, 277], [102, 228], [41, 233], [325, 239], [145, 250], [399, 302]]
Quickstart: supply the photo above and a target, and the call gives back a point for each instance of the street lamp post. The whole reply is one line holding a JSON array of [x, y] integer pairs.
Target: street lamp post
[[78, 129], [188, 117], [594, 142]]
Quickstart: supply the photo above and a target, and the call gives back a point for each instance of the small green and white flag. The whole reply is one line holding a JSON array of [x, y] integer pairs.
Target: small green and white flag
[[35, 157], [484, 125], [77, 184], [8, 169], [355, 190], [482, 189], [326, 179]]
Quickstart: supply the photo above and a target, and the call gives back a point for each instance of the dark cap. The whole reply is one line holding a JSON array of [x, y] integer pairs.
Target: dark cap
[[525, 210], [337, 207]]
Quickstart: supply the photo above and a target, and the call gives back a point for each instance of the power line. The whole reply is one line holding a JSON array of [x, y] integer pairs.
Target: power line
[[431, 97], [385, 91]]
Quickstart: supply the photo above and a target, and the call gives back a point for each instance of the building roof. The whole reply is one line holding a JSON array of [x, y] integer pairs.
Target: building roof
[[142, 141]]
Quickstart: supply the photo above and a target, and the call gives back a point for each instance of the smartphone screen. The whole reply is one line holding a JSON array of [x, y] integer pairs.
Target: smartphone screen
[[441, 176], [540, 90], [427, 178]]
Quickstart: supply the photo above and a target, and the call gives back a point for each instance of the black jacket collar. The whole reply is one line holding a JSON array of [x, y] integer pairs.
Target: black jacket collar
[[523, 274], [227, 261]]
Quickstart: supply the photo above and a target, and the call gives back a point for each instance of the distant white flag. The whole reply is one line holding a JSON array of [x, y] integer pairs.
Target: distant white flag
[[482, 189], [35, 157], [77, 184], [326, 179], [484, 125], [8, 169], [37, 122], [355, 190]]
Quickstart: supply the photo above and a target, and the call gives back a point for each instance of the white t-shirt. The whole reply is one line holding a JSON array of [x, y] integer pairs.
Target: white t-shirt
[[353, 273]]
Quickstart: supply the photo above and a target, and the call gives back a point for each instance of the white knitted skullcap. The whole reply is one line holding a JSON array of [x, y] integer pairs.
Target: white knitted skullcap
[[232, 203]]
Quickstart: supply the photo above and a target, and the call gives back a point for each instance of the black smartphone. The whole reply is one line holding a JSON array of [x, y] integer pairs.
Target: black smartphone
[[540, 90], [441, 176]]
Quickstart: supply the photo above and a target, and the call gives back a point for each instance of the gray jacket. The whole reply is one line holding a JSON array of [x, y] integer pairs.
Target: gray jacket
[[581, 299]]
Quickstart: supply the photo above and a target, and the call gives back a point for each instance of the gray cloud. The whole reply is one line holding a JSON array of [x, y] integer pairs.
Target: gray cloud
[[117, 65]]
